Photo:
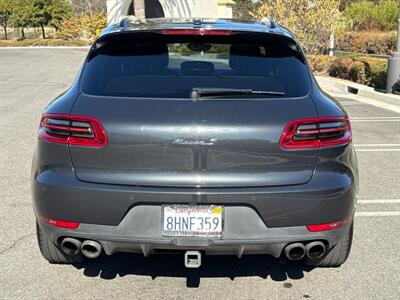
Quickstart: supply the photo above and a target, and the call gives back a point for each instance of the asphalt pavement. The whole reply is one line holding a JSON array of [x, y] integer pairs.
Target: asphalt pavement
[[31, 78]]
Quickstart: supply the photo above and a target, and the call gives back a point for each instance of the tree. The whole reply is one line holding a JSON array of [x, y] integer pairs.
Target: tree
[[367, 15], [5, 14], [242, 9], [59, 10], [21, 16], [88, 6], [49, 12], [139, 7], [311, 21], [41, 15]]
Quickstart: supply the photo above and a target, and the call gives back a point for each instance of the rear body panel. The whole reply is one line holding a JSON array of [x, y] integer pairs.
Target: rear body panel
[[218, 143]]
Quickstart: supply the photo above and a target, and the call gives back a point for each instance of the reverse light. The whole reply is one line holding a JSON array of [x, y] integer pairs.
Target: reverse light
[[327, 226], [200, 31], [60, 223], [72, 130], [315, 133]]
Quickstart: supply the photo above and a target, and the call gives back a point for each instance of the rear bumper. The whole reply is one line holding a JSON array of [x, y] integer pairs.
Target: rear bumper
[[244, 233], [328, 197]]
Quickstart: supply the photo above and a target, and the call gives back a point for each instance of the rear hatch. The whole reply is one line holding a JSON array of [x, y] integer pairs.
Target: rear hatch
[[195, 111]]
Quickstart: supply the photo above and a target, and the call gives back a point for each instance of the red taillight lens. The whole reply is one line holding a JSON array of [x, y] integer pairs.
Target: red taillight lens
[[72, 130], [315, 133], [200, 31], [60, 223], [327, 226]]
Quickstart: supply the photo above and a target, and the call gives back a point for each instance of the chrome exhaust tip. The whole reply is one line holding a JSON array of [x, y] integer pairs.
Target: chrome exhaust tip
[[295, 251], [91, 249], [315, 250], [71, 246]]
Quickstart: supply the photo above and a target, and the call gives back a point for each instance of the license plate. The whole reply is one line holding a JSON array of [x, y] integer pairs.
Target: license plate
[[192, 220]]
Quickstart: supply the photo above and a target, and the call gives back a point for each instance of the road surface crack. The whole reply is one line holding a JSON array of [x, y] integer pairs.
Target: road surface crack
[[16, 242]]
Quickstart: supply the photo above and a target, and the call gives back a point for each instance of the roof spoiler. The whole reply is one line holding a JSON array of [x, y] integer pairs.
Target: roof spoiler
[[124, 23]]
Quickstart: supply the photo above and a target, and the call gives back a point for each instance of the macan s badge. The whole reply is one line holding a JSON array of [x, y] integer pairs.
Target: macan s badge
[[195, 142]]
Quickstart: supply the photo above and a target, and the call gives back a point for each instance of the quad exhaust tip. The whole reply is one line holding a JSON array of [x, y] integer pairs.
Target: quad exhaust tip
[[71, 246], [295, 251], [192, 259], [91, 249], [315, 250]]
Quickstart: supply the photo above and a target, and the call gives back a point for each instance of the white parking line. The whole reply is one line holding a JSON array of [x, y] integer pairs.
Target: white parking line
[[377, 150], [379, 201], [377, 145], [353, 104], [377, 213], [373, 118]]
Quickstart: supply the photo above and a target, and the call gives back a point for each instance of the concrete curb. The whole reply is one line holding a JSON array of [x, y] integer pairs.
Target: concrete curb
[[361, 90], [343, 88]]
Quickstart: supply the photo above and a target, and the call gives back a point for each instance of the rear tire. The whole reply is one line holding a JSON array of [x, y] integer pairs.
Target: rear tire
[[52, 253], [336, 255]]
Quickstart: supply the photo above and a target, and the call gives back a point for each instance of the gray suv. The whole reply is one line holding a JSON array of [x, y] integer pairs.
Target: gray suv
[[195, 137]]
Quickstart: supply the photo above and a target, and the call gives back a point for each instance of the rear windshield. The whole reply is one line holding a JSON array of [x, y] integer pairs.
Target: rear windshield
[[173, 68]]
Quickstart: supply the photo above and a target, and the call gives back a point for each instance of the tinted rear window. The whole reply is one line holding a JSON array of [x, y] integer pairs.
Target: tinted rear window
[[173, 68]]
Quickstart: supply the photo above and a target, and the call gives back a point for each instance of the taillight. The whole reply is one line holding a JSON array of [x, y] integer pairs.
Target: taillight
[[60, 223], [327, 226], [72, 130], [315, 133], [200, 31]]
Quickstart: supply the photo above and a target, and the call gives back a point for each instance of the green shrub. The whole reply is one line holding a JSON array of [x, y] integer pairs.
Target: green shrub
[[365, 70], [375, 71], [367, 42], [357, 72], [341, 67], [366, 15]]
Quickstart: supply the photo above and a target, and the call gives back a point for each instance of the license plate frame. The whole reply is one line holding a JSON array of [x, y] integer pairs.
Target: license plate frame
[[218, 210]]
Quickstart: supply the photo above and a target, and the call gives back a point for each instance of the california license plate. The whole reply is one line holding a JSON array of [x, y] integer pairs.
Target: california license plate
[[192, 220]]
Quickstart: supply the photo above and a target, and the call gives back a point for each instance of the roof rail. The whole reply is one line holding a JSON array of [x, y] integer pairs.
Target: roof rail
[[269, 22]]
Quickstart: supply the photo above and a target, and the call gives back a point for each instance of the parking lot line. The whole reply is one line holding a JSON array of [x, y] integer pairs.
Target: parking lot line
[[377, 213], [378, 150], [373, 118], [377, 145], [353, 104], [379, 201]]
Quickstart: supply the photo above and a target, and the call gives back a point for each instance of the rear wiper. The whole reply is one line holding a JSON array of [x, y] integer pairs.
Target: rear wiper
[[198, 93]]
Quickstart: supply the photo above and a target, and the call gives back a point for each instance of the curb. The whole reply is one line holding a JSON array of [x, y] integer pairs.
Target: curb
[[361, 92], [368, 92]]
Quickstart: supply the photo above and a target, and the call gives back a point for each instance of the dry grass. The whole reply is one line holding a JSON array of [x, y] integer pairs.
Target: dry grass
[[42, 42]]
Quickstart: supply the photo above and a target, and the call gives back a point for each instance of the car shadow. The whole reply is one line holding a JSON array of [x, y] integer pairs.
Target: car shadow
[[169, 265]]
